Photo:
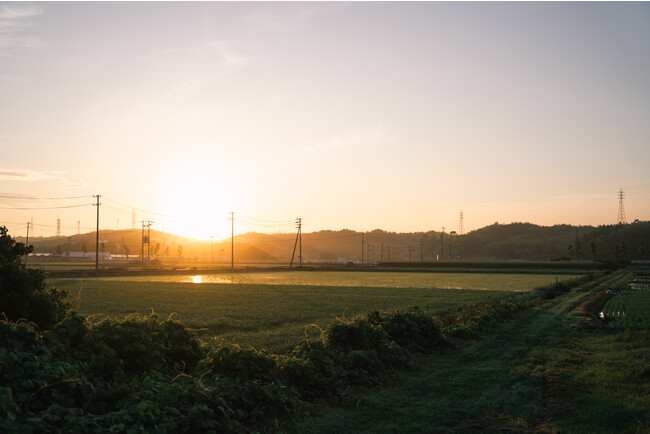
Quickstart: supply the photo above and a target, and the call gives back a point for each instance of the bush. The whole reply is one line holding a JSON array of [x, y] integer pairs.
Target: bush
[[23, 295], [413, 331]]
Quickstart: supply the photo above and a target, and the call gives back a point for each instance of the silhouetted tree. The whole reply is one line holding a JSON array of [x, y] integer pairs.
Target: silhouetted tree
[[593, 248], [22, 289], [643, 250]]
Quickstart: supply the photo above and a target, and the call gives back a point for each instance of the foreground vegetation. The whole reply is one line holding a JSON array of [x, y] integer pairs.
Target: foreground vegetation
[[273, 317], [535, 373], [548, 369]]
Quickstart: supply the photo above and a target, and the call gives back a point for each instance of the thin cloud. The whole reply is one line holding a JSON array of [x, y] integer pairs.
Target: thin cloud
[[27, 175], [15, 23], [360, 138], [288, 17]]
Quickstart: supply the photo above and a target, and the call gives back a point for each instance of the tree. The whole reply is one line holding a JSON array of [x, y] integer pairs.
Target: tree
[[569, 250], [623, 250], [156, 248], [126, 251], [643, 250], [58, 250], [22, 290], [180, 251], [84, 249], [166, 251], [593, 248]]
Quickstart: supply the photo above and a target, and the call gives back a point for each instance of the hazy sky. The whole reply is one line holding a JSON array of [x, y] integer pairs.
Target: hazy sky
[[349, 115]]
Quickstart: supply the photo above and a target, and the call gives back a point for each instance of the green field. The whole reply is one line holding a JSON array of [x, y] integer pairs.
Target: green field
[[487, 281], [273, 315], [629, 310]]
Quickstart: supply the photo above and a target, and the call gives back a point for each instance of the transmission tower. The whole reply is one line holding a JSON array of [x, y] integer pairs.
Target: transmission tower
[[461, 229], [58, 227], [621, 209]]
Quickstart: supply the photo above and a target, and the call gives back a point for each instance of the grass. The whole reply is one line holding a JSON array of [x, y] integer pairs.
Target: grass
[[631, 309], [542, 371], [272, 317], [486, 281]]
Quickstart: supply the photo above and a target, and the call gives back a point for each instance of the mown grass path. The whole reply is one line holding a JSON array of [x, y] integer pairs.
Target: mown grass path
[[526, 375]]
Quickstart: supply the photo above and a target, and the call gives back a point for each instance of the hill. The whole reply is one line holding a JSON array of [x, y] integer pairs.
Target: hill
[[515, 241]]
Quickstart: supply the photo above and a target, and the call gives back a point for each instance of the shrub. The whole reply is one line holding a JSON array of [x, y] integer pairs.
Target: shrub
[[413, 331], [22, 290]]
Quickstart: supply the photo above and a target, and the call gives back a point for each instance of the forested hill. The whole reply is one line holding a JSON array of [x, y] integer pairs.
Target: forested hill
[[497, 242], [522, 241]]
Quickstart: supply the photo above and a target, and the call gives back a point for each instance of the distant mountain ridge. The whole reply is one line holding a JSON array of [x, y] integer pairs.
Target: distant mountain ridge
[[495, 242]]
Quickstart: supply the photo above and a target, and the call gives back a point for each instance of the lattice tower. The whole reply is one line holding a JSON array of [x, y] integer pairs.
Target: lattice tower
[[461, 230], [621, 209]]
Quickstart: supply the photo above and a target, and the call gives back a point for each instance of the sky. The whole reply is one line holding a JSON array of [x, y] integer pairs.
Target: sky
[[362, 115]]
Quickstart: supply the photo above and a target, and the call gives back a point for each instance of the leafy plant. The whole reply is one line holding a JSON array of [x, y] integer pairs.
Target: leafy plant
[[22, 290]]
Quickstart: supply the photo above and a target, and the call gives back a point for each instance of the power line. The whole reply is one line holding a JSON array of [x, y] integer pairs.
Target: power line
[[42, 198], [49, 207]]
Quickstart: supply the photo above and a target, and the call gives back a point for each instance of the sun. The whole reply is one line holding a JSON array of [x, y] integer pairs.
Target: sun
[[195, 209]]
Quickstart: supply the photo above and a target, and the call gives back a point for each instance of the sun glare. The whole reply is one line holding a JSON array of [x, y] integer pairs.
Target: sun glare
[[193, 210]]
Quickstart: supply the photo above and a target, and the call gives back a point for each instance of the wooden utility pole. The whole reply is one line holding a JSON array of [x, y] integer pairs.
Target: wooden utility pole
[[27, 242], [97, 236], [298, 238], [232, 241]]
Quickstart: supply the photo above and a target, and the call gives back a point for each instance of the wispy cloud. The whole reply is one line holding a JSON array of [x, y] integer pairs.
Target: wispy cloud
[[288, 17], [359, 138], [15, 23], [27, 175]]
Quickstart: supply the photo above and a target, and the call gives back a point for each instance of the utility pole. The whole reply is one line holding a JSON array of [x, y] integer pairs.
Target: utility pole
[[381, 257], [97, 236], [442, 244], [149, 241], [298, 237], [362, 248], [142, 245], [146, 240], [368, 250], [211, 251], [388, 253], [410, 253], [232, 241], [421, 251], [27, 242]]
